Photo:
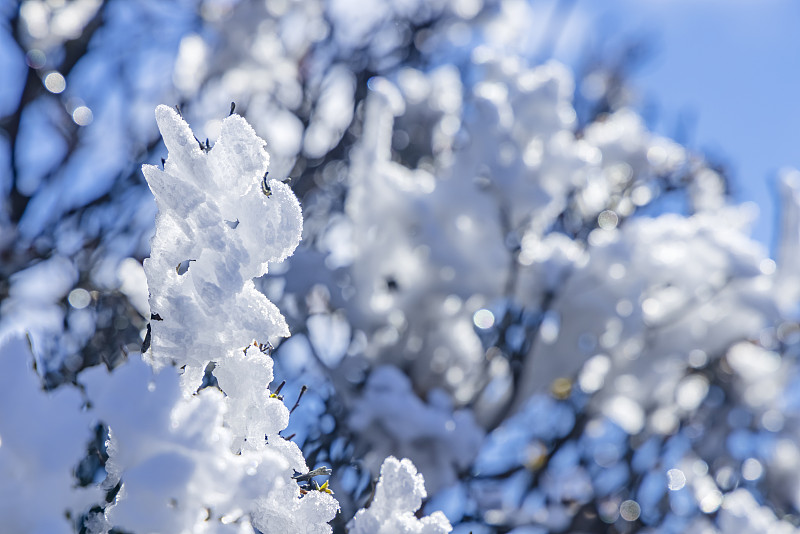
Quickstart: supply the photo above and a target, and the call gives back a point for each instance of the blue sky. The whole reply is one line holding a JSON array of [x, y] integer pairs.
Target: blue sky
[[731, 65]]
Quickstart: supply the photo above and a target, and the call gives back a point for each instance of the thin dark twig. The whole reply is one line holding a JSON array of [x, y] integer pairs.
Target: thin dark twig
[[300, 396]]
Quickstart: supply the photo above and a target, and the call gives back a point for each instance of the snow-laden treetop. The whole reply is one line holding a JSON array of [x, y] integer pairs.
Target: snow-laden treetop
[[217, 228]]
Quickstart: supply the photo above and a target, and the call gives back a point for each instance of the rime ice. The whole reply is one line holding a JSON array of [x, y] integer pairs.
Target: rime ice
[[215, 231], [180, 463]]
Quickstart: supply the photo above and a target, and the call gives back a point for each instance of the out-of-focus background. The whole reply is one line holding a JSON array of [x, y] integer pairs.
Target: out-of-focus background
[[531, 262], [718, 77]]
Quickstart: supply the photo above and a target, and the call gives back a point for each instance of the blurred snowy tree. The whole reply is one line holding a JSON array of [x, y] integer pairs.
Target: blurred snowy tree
[[556, 314]]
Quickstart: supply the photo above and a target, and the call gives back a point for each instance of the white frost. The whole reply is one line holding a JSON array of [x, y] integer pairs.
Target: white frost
[[398, 496], [215, 231], [208, 461]]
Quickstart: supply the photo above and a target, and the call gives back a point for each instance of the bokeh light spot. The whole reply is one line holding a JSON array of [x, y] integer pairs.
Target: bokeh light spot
[[617, 271], [483, 319], [608, 511], [82, 116], [607, 220], [630, 510], [675, 479], [36, 58], [641, 195], [624, 308], [697, 358], [772, 420], [767, 266], [55, 82], [79, 298], [711, 502], [752, 469], [594, 373]]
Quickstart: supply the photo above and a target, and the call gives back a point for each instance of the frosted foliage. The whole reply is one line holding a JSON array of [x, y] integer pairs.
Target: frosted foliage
[[42, 437], [208, 460], [673, 299], [521, 160], [176, 461], [515, 157], [201, 196], [506, 165], [398, 496], [244, 377]]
